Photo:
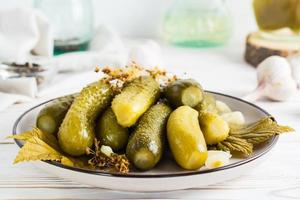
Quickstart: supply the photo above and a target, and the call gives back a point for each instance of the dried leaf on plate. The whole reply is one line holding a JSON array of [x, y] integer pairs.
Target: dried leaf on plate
[[37, 149], [42, 146], [23, 136], [35, 132], [81, 162]]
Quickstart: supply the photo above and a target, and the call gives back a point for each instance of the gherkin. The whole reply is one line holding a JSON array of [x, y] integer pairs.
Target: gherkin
[[146, 145], [215, 128], [109, 132], [77, 129], [184, 92], [135, 98], [52, 115], [208, 104], [186, 139]]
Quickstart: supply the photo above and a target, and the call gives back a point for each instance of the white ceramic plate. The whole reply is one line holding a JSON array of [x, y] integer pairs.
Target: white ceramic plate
[[166, 175]]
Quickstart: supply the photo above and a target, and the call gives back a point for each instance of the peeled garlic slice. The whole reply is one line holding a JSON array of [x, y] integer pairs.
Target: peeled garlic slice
[[107, 150], [217, 159], [234, 118], [222, 107]]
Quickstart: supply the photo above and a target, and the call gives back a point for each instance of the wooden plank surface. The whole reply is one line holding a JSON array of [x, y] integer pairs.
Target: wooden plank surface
[[276, 178]]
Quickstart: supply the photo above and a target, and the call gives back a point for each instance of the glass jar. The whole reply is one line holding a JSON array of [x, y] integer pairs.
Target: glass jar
[[278, 19], [197, 23], [72, 22]]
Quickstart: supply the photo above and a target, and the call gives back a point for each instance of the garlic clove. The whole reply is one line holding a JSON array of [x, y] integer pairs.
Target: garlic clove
[[257, 94], [217, 159], [222, 107], [274, 80], [295, 66], [273, 68], [146, 54], [106, 39], [234, 118], [107, 150], [281, 90]]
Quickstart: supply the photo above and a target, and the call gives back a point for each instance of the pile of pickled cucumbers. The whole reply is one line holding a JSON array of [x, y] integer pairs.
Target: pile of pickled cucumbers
[[134, 127]]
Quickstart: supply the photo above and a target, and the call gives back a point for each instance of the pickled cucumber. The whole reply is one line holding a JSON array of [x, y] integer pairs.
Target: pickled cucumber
[[185, 138], [51, 116], [208, 104], [184, 92], [135, 98], [110, 133], [76, 132], [214, 127], [145, 146]]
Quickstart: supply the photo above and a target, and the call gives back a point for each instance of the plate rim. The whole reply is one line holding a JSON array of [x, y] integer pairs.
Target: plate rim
[[272, 143]]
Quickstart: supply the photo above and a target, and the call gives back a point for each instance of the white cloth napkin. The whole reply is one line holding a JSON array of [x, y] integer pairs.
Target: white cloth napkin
[[24, 31], [25, 35], [106, 48], [23, 86], [7, 99]]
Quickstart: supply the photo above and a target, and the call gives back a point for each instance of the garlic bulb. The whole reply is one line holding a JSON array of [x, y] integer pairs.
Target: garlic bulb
[[222, 107], [272, 68], [274, 80], [295, 66], [147, 54], [234, 118], [281, 90], [217, 159]]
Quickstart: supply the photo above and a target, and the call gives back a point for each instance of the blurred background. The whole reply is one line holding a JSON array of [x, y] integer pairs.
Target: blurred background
[[47, 44], [143, 18], [51, 48]]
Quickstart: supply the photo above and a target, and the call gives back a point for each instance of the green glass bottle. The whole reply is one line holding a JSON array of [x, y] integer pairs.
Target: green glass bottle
[[197, 23], [72, 23]]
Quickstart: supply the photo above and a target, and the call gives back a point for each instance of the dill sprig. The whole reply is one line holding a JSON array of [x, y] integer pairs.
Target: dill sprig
[[243, 138], [115, 161], [260, 131], [234, 144]]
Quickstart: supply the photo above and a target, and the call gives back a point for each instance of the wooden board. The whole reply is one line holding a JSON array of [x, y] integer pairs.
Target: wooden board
[[258, 48]]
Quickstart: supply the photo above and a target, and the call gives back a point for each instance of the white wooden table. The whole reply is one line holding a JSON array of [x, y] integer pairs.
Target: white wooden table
[[220, 69]]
